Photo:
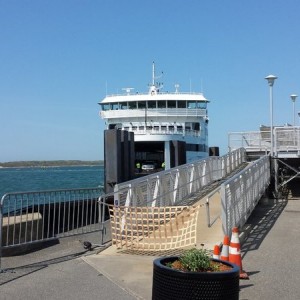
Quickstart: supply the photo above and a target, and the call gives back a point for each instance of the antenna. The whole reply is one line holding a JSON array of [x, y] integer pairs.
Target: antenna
[[176, 88], [201, 86], [153, 73]]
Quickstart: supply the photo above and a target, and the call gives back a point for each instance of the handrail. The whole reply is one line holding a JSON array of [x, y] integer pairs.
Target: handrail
[[171, 187], [241, 193]]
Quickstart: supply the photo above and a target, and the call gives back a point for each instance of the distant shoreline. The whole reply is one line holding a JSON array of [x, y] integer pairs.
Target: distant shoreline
[[51, 163]]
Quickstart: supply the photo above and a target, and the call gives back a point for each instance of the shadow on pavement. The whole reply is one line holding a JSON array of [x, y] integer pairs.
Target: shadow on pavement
[[261, 221]]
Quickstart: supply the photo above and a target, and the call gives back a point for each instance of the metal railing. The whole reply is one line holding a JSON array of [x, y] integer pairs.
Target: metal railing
[[32, 217], [286, 139], [172, 186], [241, 193], [159, 112], [250, 140]]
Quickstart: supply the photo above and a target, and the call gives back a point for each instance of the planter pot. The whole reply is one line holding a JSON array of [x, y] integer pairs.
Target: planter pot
[[174, 284]]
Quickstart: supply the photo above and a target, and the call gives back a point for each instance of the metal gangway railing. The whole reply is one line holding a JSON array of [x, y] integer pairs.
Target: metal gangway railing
[[171, 187], [286, 141], [241, 193], [238, 194]]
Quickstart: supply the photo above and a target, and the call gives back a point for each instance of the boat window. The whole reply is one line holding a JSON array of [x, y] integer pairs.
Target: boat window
[[115, 106], [152, 104], [171, 104], [141, 127], [132, 105], [161, 104], [105, 106], [142, 104], [201, 104], [171, 128], [191, 104], [181, 104], [163, 128], [156, 128], [196, 126], [134, 127], [179, 128], [123, 105]]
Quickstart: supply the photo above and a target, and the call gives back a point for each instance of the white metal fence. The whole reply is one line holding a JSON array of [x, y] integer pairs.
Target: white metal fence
[[241, 193], [172, 186], [286, 139]]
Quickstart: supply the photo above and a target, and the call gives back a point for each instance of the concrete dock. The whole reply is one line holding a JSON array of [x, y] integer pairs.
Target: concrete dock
[[66, 271]]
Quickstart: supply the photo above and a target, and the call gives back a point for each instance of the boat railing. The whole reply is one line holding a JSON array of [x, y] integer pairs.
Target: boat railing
[[160, 93], [153, 112], [152, 131]]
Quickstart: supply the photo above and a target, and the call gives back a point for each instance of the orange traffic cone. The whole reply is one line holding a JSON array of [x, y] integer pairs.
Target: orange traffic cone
[[235, 252], [225, 249], [216, 254]]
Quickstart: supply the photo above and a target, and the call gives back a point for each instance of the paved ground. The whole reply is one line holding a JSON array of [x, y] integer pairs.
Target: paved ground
[[270, 257]]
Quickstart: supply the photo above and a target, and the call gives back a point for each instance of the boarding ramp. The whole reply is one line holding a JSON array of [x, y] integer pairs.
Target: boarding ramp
[[178, 207]]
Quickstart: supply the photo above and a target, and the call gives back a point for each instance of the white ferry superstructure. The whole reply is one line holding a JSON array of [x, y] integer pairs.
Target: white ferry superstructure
[[159, 118]]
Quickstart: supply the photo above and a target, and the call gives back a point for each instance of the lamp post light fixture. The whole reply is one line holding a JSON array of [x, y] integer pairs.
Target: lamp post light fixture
[[271, 79], [293, 97]]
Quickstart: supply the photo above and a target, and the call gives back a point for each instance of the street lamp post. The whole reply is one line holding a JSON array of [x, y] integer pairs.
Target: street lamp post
[[293, 97], [271, 79]]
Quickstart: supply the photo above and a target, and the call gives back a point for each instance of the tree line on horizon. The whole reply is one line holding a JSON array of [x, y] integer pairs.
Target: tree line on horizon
[[51, 163]]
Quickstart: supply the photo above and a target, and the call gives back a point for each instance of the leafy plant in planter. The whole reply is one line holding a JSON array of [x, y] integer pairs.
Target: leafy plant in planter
[[194, 275]]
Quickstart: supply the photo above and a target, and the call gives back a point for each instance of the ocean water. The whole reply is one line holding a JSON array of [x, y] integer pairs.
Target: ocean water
[[50, 178]]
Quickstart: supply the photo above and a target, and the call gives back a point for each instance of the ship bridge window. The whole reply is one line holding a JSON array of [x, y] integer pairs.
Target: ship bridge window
[[181, 104], [132, 105], [105, 106], [171, 104], [192, 104], [161, 104], [124, 105], [201, 104], [152, 104], [142, 104], [115, 106]]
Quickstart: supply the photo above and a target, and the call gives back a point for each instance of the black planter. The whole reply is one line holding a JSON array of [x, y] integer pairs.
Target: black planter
[[173, 284]]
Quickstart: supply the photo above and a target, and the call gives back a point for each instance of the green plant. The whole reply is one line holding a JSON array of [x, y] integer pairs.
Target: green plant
[[196, 260]]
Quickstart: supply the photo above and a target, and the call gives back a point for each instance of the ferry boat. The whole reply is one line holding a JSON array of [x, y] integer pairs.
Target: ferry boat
[[160, 121]]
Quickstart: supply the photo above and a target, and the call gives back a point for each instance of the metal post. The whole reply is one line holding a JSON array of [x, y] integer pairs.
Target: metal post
[[271, 79]]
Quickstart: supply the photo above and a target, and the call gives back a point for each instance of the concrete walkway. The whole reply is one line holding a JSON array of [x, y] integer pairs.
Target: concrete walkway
[[269, 257]]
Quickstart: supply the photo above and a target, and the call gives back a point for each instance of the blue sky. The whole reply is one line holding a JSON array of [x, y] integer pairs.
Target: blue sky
[[58, 58]]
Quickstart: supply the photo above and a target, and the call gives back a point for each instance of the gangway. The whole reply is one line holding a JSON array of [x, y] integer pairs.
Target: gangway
[[165, 210], [285, 161]]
